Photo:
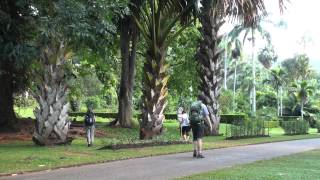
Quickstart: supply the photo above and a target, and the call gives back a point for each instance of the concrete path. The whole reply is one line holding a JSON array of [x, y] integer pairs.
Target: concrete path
[[175, 165]]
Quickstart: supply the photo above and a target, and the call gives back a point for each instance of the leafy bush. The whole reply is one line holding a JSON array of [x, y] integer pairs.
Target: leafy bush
[[95, 101], [318, 125], [246, 128], [271, 124], [233, 118], [295, 127]]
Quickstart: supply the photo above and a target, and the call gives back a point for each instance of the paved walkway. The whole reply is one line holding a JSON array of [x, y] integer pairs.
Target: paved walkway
[[175, 165]]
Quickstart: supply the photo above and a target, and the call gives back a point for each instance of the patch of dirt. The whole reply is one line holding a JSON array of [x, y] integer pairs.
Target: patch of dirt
[[143, 144], [25, 129]]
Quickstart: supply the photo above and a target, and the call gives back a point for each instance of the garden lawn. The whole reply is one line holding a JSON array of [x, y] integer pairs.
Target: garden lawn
[[304, 165], [21, 156]]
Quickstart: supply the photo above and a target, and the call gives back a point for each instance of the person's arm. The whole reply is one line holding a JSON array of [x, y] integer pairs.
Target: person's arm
[[206, 115]]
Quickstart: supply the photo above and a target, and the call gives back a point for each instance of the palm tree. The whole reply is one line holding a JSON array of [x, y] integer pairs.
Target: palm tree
[[158, 26], [212, 16], [302, 92], [252, 30], [236, 53], [277, 81]]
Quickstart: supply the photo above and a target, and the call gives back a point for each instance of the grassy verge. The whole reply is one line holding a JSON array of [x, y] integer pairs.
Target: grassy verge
[[304, 165], [22, 156]]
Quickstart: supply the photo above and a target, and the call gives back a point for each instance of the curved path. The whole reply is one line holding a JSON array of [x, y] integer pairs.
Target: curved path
[[174, 165]]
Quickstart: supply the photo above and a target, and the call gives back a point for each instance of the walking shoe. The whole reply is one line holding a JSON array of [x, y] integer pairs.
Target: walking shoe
[[88, 145], [194, 154], [200, 156]]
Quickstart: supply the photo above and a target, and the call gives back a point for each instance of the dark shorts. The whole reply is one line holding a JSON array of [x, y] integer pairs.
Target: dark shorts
[[185, 130], [197, 131]]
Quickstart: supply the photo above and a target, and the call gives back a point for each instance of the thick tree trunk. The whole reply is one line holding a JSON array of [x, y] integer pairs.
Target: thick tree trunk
[[52, 122], [7, 115], [128, 41], [209, 58], [154, 93]]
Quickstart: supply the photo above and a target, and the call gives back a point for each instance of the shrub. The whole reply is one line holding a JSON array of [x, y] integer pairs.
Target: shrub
[[94, 101], [295, 127], [271, 124], [246, 128], [232, 118], [318, 125]]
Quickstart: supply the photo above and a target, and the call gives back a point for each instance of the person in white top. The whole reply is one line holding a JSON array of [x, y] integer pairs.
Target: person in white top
[[185, 125]]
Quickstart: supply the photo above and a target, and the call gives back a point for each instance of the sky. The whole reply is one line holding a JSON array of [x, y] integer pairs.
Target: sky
[[302, 19]]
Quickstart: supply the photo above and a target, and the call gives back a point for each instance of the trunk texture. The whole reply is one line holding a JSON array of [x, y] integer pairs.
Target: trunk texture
[[225, 68], [234, 87], [278, 103], [128, 40], [52, 122], [208, 56], [7, 115], [154, 93], [253, 76], [281, 103]]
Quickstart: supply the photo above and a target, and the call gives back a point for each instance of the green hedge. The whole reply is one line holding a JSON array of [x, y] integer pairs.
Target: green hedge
[[233, 118], [246, 128], [295, 127], [271, 124], [289, 118], [224, 118]]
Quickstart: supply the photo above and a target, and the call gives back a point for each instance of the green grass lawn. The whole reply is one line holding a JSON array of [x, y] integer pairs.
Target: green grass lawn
[[304, 165], [22, 156]]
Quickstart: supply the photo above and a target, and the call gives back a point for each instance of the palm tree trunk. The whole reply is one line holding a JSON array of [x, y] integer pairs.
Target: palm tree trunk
[[234, 86], [278, 103], [154, 93], [128, 41], [7, 115], [281, 104], [208, 56], [302, 110], [253, 75], [52, 122]]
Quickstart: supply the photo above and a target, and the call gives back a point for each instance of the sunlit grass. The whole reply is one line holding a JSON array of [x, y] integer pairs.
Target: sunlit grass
[[304, 165]]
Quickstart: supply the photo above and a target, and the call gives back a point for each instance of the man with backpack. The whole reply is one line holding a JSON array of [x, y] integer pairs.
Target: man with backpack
[[198, 114], [89, 122]]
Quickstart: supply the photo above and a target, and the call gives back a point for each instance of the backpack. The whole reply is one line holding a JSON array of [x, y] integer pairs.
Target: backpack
[[89, 119], [196, 116]]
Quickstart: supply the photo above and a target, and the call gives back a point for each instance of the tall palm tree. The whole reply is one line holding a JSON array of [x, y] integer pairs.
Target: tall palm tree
[[277, 81], [302, 92], [159, 26], [213, 14], [252, 29], [235, 55]]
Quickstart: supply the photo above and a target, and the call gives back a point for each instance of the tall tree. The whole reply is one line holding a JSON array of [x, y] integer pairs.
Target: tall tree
[[128, 43], [302, 92], [277, 81], [65, 27], [212, 16], [158, 25], [16, 52]]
